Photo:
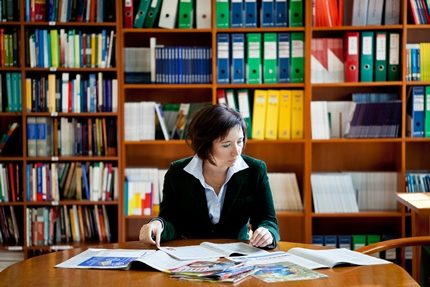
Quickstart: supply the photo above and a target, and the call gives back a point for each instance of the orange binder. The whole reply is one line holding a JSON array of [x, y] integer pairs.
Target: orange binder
[[351, 46]]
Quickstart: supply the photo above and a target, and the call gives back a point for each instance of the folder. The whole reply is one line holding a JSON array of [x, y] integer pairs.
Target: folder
[[250, 13], [259, 114], [222, 10], [359, 13], [284, 118], [393, 70], [296, 13], [374, 12], [297, 57], [152, 15], [284, 58], [415, 112], [374, 238], [253, 60], [392, 12], [270, 57], [344, 241], [366, 56], [266, 16], [272, 112], [231, 99], [186, 14], [128, 13], [220, 94], [297, 114], [380, 56], [390, 254], [336, 61], [358, 241], [351, 44], [318, 240], [168, 12], [223, 58], [238, 58], [281, 13], [204, 14], [427, 112], [245, 110], [236, 19], [330, 240], [141, 13]]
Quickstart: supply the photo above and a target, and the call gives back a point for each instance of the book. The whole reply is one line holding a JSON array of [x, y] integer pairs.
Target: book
[[208, 250]]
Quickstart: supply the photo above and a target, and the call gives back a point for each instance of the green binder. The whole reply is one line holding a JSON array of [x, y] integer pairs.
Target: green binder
[[380, 56], [152, 14], [296, 13], [141, 13], [222, 13], [245, 109], [185, 16], [366, 56], [270, 58], [297, 57], [253, 58]]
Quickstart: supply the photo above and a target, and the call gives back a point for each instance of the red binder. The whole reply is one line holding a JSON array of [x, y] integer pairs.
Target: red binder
[[221, 97], [351, 46], [128, 14]]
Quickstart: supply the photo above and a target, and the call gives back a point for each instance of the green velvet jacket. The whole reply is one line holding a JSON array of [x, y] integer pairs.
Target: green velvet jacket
[[248, 200]]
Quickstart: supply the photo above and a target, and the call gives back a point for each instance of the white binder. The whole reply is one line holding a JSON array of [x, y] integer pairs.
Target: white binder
[[203, 14], [168, 13]]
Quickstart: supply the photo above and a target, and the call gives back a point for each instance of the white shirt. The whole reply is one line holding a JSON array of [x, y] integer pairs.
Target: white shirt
[[214, 201]]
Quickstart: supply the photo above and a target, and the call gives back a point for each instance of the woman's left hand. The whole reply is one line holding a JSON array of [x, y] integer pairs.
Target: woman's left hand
[[261, 237]]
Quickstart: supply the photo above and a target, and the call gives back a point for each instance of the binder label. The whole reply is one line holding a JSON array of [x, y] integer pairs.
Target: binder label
[[353, 45], [367, 45], [380, 47], [394, 49]]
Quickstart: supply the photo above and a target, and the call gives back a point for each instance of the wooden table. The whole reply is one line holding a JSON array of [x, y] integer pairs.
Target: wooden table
[[40, 271], [419, 204]]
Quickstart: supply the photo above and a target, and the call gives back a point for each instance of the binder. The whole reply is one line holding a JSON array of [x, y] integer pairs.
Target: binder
[[152, 15], [284, 118], [415, 112], [204, 14], [231, 99], [223, 58], [238, 58], [236, 19], [128, 13], [390, 254], [392, 12], [330, 240], [344, 241], [366, 56], [259, 114], [318, 240], [220, 94], [271, 129], [253, 59], [284, 58], [245, 110], [266, 16], [186, 14], [281, 13], [427, 112], [297, 57], [374, 12], [250, 13], [168, 12], [270, 55], [380, 56], [359, 13], [393, 70], [374, 238], [222, 10], [358, 241], [351, 43], [297, 114], [141, 13], [296, 13]]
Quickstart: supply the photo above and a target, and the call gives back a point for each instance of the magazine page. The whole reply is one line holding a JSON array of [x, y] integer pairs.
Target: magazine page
[[285, 271], [161, 261], [104, 258], [193, 252], [333, 257], [234, 249]]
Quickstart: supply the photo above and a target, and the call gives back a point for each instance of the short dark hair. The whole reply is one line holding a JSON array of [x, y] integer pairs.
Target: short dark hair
[[211, 123]]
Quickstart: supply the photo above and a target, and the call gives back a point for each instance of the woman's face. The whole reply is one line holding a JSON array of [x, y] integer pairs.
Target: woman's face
[[226, 151]]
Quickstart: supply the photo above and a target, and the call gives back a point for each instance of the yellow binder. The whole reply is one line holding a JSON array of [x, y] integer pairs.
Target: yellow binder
[[297, 114], [284, 123], [271, 130], [259, 114]]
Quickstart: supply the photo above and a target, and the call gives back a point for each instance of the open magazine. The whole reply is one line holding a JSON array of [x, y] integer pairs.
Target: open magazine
[[313, 258], [208, 250]]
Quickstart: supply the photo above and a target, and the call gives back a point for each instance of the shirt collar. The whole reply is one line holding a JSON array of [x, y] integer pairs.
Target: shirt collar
[[194, 167]]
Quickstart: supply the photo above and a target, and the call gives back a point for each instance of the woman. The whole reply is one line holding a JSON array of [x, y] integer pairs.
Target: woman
[[217, 193]]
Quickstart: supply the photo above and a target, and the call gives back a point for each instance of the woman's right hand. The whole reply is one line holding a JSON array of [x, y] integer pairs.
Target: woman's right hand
[[151, 231]]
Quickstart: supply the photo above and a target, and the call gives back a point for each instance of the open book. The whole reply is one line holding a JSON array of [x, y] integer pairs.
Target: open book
[[314, 259], [208, 250]]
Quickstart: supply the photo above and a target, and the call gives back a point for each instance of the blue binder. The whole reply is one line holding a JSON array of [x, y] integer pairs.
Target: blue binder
[[284, 58], [236, 13], [415, 112], [238, 58], [281, 13], [267, 9], [223, 58], [250, 13]]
